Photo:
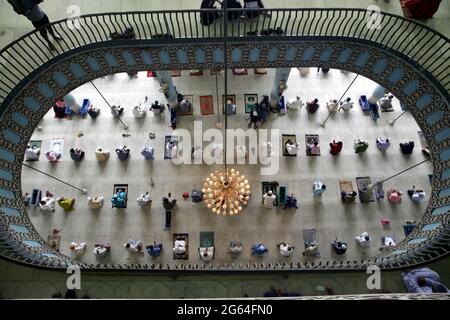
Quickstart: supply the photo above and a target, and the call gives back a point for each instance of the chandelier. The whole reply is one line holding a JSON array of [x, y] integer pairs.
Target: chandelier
[[226, 192]]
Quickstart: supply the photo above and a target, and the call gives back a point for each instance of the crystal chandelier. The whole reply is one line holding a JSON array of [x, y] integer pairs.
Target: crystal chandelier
[[226, 192]]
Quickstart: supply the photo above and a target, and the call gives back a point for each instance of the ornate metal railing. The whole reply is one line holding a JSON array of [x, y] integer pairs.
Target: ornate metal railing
[[421, 46]]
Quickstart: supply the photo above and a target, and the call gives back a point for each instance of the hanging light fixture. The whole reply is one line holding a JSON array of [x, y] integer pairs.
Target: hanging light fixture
[[226, 191]]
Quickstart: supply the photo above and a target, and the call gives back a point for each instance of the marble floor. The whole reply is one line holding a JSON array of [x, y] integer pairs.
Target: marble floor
[[329, 215]]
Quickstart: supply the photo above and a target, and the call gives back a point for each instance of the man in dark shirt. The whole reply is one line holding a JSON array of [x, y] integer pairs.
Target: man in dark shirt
[[31, 10]]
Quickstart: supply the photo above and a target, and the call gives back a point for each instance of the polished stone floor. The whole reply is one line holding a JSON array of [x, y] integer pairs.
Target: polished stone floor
[[328, 215]]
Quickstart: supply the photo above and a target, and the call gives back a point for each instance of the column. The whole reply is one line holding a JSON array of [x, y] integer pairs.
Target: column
[[281, 75], [377, 94], [165, 80]]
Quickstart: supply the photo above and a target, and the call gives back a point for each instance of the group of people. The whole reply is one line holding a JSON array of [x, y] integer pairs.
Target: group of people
[[208, 18]]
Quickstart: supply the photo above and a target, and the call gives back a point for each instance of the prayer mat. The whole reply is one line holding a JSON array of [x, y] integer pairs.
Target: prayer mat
[[364, 196], [167, 154], [284, 140], [123, 187], [310, 139], [408, 228], [346, 185], [206, 105], [206, 239], [151, 74], [270, 185], [196, 73], [54, 242], [422, 140], [190, 98], [35, 144], [167, 220], [57, 145], [175, 73], [390, 109], [185, 237], [310, 235], [36, 197], [260, 71], [240, 72]]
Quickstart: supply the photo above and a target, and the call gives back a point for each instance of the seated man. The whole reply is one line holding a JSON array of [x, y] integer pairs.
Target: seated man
[[407, 147], [53, 156], [148, 153], [346, 105], [285, 249], [295, 104], [332, 105], [144, 200], [93, 112], [154, 249], [172, 149], [133, 246], [363, 239], [60, 109], [383, 143], [386, 102], [118, 200], [206, 253], [101, 250], [416, 195], [340, 247], [185, 106], [95, 202], [360, 145], [123, 154], [76, 154], [311, 249], [258, 249], [291, 202], [139, 112], [313, 148], [318, 188], [47, 204], [66, 203], [335, 147], [197, 195], [179, 246], [101, 154], [269, 200], [312, 106], [387, 242], [291, 147], [157, 108], [254, 119], [235, 248], [348, 197], [230, 108], [169, 204], [116, 111], [78, 248], [32, 153], [394, 195]]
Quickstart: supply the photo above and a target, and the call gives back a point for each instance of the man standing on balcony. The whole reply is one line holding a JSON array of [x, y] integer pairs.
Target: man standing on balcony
[[31, 10]]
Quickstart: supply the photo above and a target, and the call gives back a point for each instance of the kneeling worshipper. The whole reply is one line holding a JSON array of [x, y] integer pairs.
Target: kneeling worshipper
[[394, 195], [292, 148], [47, 204], [139, 112], [332, 105], [101, 154], [144, 200], [383, 143], [360, 145], [235, 248], [312, 249], [258, 249], [269, 199], [206, 253], [363, 239], [387, 242], [340, 247], [32, 153], [123, 153], [76, 154], [118, 200], [335, 147], [66, 203], [101, 250], [172, 149], [78, 248], [407, 147], [254, 119], [95, 202], [285, 249], [313, 148], [348, 197], [157, 108], [185, 106], [312, 106], [416, 195], [154, 249], [93, 112], [116, 111], [179, 247], [346, 105], [148, 153], [53, 156], [133, 246], [295, 104]]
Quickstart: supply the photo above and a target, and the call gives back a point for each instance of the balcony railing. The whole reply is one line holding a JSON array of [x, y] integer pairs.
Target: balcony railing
[[423, 45]]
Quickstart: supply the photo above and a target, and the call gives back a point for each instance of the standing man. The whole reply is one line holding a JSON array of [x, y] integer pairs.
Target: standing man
[[31, 10]]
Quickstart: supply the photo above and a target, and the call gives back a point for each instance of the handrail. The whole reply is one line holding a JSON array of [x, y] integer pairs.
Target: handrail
[[426, 47]]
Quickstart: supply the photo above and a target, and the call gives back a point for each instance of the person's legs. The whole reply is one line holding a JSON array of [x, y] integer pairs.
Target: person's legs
[[43, 32], [46, 22]]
